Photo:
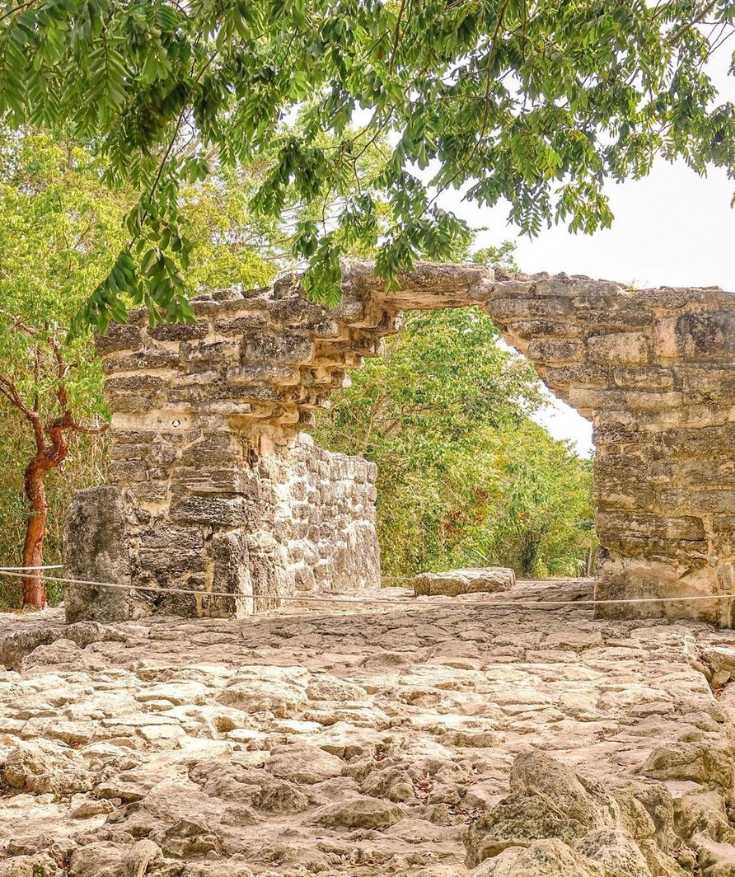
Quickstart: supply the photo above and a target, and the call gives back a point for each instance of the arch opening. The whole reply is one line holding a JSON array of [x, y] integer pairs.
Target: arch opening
[[208, 469], [467, 474]]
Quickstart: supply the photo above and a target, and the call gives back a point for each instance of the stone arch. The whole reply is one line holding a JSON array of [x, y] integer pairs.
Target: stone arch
[[207, 463]]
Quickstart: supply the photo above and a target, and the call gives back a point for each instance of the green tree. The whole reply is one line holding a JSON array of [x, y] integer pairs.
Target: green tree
[[538, 517], [57, 226], [532, 102], [60, 227], [465, 478]]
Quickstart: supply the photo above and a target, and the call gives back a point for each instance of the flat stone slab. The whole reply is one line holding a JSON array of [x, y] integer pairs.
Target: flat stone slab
[[489, 579]]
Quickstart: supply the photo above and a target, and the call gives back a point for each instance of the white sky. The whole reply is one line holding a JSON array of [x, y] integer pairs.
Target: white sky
[[672, 228]]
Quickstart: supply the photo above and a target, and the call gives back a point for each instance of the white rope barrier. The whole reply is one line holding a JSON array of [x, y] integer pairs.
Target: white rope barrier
[[355, 598], [30, 568]]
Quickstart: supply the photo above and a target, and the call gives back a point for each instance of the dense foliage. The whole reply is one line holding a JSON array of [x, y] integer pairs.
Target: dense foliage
[[59, 225], [465, 477], [534, 102]]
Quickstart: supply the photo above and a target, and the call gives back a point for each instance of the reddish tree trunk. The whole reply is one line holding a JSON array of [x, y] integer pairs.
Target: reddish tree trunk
[[49, 455], [34, 590], [46, 458]]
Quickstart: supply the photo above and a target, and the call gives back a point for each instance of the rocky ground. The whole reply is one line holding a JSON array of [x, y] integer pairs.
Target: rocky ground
[[436, 739]]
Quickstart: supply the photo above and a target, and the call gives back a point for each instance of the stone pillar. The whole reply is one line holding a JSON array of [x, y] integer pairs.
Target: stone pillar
[[213, 487], [655, 372]]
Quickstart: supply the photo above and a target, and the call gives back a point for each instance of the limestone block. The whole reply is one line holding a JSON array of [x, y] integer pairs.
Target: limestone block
[[531, 307], [555, 351], [179, 331], [96, 549], [119, 337], [213, 510], [620, 348], [278, 348], [464, 581], [360, 812], [140, 360], [706, 336], [240, 324]]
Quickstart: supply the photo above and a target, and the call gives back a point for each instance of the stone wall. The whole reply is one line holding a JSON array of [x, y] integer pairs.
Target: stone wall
[[202, 414], [654, 370], [326, 518], [300, 519]]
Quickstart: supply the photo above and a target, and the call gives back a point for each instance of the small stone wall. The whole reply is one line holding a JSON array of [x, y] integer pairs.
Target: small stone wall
[[306, 524], [326, 519]]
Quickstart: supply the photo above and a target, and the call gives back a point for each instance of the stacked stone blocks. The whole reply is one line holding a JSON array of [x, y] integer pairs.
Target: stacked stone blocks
[[219, 491]]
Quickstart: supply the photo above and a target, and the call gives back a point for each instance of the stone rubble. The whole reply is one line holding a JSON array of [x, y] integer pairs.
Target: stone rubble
[[431, 738]]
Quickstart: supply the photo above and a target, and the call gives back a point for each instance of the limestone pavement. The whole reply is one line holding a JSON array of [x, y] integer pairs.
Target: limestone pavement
[[436, 738]]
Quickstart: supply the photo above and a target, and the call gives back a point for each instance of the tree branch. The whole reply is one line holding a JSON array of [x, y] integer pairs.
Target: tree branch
[[702, 13], [396, 36], [19, 8], [11, 393]]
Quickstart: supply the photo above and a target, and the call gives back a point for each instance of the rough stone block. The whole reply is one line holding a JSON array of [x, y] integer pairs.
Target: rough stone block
[[217, 511], [179, 331], [620, 348], [706, 336], [275, 348], [119, 337], [96, 548], [464, 581]]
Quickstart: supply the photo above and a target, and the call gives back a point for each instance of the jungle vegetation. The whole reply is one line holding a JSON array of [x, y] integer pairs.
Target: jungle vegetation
[[445, 413]]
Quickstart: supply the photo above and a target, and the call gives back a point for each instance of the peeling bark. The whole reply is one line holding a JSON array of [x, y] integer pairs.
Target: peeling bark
[[45, 459]]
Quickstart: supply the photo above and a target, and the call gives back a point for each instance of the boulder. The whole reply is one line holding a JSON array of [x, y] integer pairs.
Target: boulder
[[362, 812], [489, 579], [616, 854], [305, 765], [543, 858], [16, 644], [547, 800]]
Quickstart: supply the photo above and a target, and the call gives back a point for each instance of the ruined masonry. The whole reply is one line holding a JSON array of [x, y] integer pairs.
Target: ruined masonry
[[215, 487]]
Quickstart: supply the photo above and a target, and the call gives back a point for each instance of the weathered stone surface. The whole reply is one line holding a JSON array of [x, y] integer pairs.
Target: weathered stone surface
[[556, 821], [16, 644], [616, 854], [464, 581], [96, 548], [352, 741], [542, 858], [362, 812], [653, 370], [547, 800]]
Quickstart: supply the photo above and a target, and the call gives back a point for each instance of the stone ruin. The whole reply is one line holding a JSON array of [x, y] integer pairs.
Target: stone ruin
[[214, 487]]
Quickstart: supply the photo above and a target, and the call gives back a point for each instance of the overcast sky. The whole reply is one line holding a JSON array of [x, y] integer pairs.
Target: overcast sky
[[671, 229]]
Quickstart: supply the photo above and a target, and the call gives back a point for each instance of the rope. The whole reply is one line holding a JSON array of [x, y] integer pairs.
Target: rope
[[7, 568], [330, 595]]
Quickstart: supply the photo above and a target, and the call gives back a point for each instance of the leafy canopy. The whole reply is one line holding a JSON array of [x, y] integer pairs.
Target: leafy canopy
[[465, 477], [535, 102]]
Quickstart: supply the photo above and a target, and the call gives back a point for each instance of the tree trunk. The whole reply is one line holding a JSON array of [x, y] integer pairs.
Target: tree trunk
[[34, 590], [47, 457]]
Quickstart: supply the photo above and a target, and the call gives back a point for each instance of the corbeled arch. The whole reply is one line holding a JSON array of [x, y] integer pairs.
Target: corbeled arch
[[209, 473]]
